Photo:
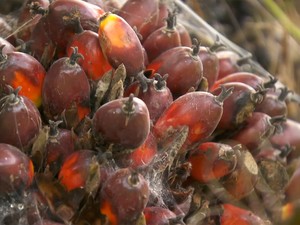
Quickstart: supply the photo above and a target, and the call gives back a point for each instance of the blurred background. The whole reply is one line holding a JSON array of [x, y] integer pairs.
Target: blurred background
[[256, 25]]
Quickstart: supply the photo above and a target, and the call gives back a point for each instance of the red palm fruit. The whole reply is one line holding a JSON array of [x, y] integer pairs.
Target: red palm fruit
[[60, 20], [210, 64], [8, 47], [183, 66], [140, 157], [227, 62], [27, 19], [257, 130], [66, 88], [211, 161], [233, 215], [60, 144], [290, 136], [40, 45], [250, 79], [157, 97], [239, 106], [273, 104], [117, 38], [185, 37], [163, 10], [20, 69], [158, 216], [16, 170], [130, 119], [199, 111], [80, 170], [93, 63], [242, 180], [124, 196], [141, 14], [162, 39], [292, 188], [20, 120]]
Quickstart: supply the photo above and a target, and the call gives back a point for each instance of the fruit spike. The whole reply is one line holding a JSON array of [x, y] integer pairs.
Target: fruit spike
[[271, 82], [53, 132], [12, 97], [161, 81], [284, 92], [144, 81], [3, 57], [225, 93], [75, 56], [195, 47]]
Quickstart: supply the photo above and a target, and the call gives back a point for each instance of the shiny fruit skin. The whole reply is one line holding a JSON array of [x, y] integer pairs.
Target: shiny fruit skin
[[239, 106], [60, 30], [288, 137], [185, 37], [60, 145], [233, 215], [16, 170], [200, 111], [183, 66], [130, 119], [162, 39], [257, 130], [227, 63], [76, 169], [20, 69], [124, 196], [94, 63], [20, 121], [250, 79], [66, 85], [118, 39], [210, 65], [157, 215], [41, 46], [211, 161], [145, 14], [274, 104], [157, 97], [140, 157]]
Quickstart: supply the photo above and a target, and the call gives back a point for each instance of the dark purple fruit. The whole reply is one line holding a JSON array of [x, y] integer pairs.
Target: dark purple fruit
[[20, 120], [16, 170], [124, 122]]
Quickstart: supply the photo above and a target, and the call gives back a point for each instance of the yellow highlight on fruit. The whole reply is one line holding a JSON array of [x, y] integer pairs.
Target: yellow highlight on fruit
[[115, 29], [31, 91]]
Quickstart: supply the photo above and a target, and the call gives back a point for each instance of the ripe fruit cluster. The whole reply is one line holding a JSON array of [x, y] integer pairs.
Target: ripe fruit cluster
[[113, 114]]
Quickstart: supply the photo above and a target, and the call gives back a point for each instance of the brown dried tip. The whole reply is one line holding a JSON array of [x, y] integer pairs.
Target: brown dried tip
[[3, 57], [144, 81], [128, 106], [195, 47], [53, 132], [161, 81], [271, 82], [225, 93], [284, 92]]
